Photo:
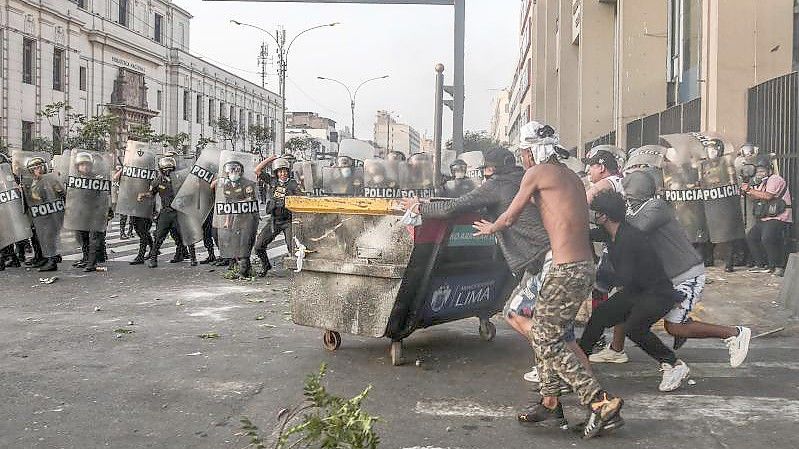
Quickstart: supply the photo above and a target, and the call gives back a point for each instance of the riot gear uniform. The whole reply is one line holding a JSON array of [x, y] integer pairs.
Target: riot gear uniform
[[280, 216], [459, 185], [167, 217], [236, 212], [45, 197]]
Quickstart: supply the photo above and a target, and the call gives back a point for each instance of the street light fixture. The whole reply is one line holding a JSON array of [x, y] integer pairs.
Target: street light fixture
[[352, 94], [282, 54]]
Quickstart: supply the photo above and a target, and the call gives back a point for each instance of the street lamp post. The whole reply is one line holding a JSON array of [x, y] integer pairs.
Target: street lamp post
[[282, 55], [352, 95]]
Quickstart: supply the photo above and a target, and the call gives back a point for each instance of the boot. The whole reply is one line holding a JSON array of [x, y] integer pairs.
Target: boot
[[245, 268], [152, 262], [35, 262], [265, 264], [50, 265], [91, 262], [193, 255], [139, 260], [58, 258], [179, 254], [211, 257]]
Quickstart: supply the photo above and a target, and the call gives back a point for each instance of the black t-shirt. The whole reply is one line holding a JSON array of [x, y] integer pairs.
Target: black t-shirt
[[636, 264]]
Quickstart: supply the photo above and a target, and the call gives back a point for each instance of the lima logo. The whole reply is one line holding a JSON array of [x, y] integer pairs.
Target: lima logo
[[440, 298]]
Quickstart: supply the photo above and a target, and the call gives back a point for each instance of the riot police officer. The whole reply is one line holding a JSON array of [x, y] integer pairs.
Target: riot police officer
[[168, 217], [280, 186], [240, 227], [459, 185], [45, 197]]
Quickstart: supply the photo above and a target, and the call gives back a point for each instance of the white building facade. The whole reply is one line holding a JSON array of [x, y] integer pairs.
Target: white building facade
[[391, 135], [126, 57]]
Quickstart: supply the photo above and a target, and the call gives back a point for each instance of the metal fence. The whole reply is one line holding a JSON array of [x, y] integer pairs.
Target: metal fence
[[681, 118], [607, 139], [773, 125]]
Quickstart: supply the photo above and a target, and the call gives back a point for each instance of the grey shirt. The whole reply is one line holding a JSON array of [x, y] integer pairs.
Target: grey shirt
[[669, 240]]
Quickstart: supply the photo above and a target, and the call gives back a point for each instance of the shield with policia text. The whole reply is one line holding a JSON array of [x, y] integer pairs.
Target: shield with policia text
[[191, 226], [14, 224], [700, 180], [195, 197], [236, 214], [139, 169], [46, 207], [88, 191]]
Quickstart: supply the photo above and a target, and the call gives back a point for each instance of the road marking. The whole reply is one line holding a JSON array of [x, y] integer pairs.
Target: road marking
[[698, 369], [666, 407]]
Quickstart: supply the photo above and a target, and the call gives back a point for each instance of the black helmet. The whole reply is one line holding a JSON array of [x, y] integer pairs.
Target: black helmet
[[458, 163]]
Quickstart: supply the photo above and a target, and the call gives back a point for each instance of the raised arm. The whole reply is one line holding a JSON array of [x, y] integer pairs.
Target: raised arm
[[260, 167]]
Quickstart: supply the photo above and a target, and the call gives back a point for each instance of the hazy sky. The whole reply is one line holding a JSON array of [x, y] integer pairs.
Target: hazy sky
[[402, 41]]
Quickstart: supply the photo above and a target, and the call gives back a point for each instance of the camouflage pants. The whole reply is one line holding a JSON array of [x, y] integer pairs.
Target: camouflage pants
[[564, 289]]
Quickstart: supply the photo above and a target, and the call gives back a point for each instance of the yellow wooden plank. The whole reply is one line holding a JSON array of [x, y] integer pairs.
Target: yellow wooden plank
[[342, 205]]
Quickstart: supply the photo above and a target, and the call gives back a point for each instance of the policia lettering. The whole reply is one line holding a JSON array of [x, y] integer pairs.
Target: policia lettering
[[238, 208], [98, 185], [714, 193], [10, 195], [41, 210], [202, 173], [139, 173]]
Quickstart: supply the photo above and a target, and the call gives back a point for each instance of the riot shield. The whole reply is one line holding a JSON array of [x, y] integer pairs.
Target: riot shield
[[474, 165], [191, 225], [719, 182], [383, 178], [308, 177], [236, 205], [18, 160], [346, 181], [358, 150], [14, 224], [88, 191], [681, 183], [61, 166], [421, 175], [645, 156], [139, 169], [46, 206], [195, 196], [455, 188]]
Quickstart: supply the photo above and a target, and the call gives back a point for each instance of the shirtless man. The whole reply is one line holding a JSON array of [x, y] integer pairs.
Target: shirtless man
[[561, 198]]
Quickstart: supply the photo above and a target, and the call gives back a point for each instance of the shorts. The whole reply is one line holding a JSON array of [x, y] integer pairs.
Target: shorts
[[523, 302], [686, 294]]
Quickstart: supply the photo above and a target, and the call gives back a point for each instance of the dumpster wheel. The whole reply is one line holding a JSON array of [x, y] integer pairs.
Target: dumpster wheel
[[487, 330], [332, 340]]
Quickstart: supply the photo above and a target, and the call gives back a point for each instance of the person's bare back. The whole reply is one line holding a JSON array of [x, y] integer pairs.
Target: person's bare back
[[560, 196]]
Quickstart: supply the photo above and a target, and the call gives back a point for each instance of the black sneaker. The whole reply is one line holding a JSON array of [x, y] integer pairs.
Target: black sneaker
[[540, 413], [678, 342], [602, 409]]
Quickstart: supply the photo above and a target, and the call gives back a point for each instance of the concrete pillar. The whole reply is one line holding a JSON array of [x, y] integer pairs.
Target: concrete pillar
[[743, 44], [789, 293], [642, 53], [596, 68], [568, 77]]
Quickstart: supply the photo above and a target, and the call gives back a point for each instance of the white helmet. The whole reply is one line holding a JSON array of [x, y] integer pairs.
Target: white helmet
[[83, 157]]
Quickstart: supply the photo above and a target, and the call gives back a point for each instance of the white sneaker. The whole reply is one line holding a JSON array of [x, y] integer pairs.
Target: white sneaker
[[739, 346], [673, 375], [532, 376], [608, 355]]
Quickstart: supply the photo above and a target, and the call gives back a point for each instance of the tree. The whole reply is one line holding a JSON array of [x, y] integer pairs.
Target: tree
[[92, 133], [57, 115], [229, 130], [477, 141], [306, 146], [202, 143], [143, 133], [260, 136], [177, 142]]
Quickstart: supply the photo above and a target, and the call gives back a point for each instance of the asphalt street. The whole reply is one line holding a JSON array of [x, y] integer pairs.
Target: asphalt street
[[114, 359]]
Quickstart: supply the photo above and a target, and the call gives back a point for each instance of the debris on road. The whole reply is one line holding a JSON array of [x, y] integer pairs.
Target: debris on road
[[259, 318], [209, 335], [123, 331], [48, 281]]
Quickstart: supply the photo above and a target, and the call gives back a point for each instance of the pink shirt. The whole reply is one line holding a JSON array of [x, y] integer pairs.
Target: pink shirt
[[774, 185]]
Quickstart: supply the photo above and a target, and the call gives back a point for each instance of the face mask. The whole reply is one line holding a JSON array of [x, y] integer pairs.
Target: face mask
[[234, 177], [758, 179], [460, 175], [346, 172]]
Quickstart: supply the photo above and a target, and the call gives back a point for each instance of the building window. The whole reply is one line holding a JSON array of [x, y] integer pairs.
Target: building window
[[28, 56], [158, 100], [58, 69], [685, 41], [157, 28], [82, 4], [27, 135], [123, 13], [232, 115], [186, 105], [198, 114], [82, 78], [221, 110], [211, 112]]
